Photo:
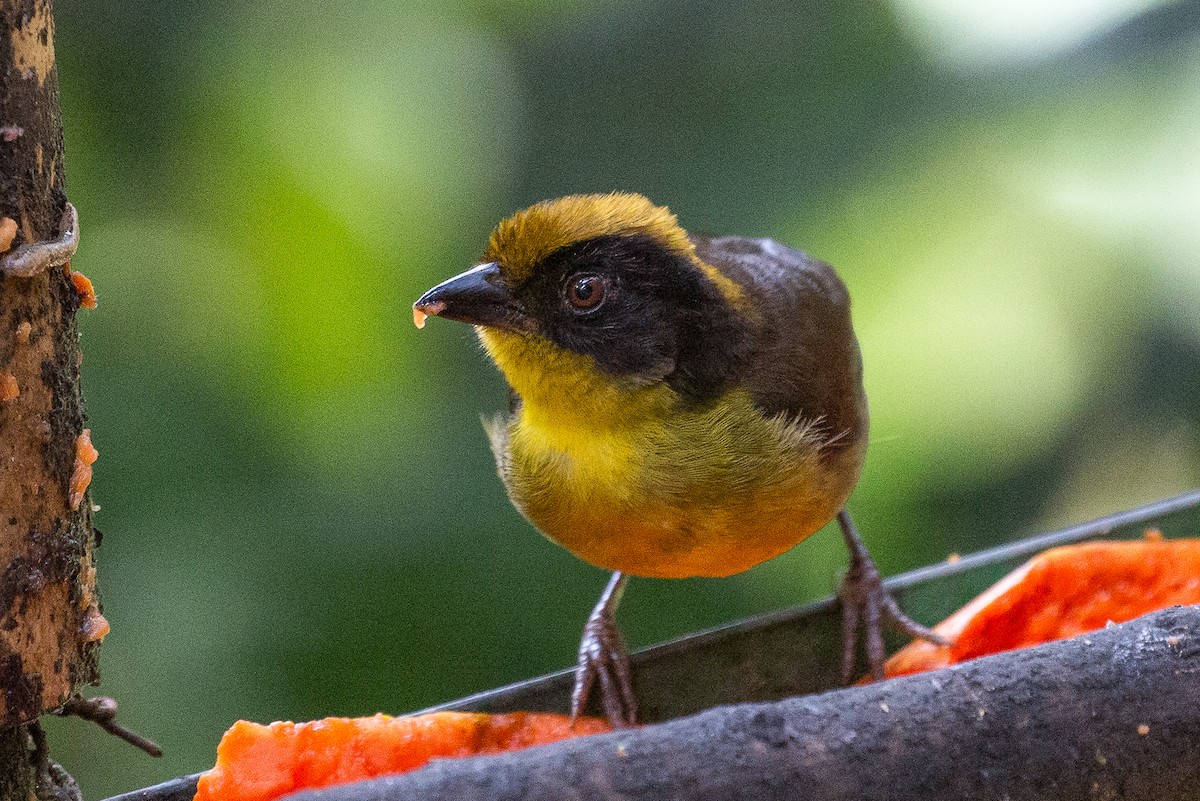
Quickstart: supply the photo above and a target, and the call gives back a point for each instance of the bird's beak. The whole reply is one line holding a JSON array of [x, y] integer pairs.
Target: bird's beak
[[478, 296]]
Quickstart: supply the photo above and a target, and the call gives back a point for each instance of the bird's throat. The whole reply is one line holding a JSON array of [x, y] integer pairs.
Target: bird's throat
[[567, 392]]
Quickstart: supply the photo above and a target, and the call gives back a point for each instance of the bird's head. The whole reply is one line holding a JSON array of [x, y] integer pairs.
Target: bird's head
[[597, 284]]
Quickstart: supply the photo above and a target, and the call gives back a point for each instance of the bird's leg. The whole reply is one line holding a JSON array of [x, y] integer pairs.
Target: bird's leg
[[864, 600], [603, 656]]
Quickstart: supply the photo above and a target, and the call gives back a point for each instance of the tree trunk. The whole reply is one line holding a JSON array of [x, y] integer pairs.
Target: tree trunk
[[50, 621]]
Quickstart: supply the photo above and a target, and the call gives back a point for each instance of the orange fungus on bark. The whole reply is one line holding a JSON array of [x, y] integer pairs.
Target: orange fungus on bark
[[95, 626], [85, 456], [8, 232], [85, 290]]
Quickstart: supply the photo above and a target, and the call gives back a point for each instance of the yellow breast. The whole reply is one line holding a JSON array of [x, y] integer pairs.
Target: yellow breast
[[628, 478]]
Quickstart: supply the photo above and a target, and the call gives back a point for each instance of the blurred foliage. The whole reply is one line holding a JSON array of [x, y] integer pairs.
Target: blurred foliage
[[301, 509]]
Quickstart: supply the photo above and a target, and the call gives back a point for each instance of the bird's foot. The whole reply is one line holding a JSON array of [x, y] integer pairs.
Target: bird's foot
[[866, 603], [603, 657]]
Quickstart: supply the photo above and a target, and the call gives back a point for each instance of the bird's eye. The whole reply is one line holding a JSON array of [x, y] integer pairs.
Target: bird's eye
[[585, 292]]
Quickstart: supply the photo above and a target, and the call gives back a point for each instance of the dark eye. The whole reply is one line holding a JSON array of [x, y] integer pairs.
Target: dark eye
[[586, 292]]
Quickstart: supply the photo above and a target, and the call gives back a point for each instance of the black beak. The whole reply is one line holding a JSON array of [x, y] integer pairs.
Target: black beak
[[478, 296]]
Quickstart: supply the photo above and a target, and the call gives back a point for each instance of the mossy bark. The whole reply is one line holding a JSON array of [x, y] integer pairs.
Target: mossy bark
[[48, 596]]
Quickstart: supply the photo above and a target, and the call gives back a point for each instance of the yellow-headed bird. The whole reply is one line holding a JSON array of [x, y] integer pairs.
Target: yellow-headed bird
[[680, 405]]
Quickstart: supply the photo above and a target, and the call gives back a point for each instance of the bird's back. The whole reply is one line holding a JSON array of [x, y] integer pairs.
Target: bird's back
[[804, 361]]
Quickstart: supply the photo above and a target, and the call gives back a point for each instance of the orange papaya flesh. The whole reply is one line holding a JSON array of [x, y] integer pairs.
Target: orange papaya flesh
[[1061, 593], [257, 762]]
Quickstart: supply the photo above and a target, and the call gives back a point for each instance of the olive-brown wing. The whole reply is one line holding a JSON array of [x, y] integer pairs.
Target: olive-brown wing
[[804, 360]]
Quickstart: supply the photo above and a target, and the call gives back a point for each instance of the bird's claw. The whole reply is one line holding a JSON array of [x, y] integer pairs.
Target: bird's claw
[[604, 657], [867, 603]]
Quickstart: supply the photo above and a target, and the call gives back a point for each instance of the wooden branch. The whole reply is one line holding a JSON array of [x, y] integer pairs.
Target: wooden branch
[[1111, 715], [50, 621]]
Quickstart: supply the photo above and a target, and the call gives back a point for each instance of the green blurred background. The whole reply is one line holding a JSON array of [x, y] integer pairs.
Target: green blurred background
[[301, 512]]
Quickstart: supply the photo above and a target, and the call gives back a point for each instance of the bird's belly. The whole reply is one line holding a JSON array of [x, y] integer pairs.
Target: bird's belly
[[672, 542], [617, 504]]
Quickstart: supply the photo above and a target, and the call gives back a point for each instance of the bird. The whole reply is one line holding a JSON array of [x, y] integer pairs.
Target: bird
[[679, 406]]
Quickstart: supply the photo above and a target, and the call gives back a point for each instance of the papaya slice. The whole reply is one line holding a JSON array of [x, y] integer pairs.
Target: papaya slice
[[257, 762], [1061, 593]]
